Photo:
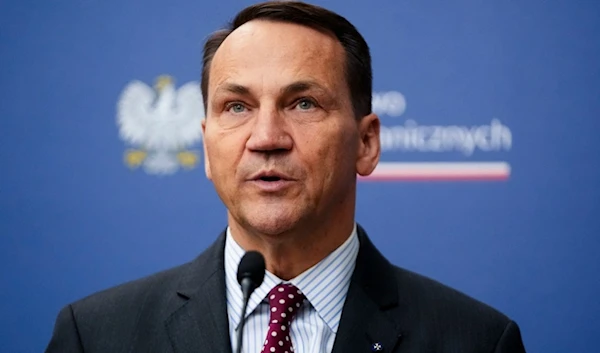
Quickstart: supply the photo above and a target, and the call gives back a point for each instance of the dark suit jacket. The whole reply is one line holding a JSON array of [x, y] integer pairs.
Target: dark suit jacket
[[184, 310]]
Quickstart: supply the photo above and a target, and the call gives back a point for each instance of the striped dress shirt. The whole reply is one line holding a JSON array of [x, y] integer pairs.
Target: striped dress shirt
[[325, 286]]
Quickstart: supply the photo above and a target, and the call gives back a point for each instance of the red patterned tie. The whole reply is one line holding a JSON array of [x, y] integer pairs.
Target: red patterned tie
[[285, 300]]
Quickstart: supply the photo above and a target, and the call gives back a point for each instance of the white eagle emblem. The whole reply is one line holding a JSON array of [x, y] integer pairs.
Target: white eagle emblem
[[161, 123]]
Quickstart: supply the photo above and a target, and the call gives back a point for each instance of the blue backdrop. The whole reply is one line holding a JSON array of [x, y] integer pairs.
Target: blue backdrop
[[521, 232]]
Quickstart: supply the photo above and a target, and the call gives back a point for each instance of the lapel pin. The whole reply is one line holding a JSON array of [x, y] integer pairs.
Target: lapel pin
[[377, 347]]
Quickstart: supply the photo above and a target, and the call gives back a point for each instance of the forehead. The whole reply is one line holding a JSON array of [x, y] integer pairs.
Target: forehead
[[277, 51]]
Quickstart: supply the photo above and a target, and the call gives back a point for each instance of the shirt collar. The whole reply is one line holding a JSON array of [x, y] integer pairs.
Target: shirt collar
[[325, 285]]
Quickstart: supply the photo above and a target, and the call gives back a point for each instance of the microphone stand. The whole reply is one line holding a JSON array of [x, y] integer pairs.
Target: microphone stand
[[251, 272], [246, 289]]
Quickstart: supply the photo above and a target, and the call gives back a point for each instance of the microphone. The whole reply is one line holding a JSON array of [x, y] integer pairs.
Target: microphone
[[250, 275]]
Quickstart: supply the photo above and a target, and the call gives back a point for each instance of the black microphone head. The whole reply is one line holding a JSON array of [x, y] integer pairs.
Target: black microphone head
[[252, 266]]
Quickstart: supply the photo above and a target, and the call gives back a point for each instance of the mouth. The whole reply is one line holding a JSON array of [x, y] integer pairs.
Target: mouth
[[271, 182], [270, 178]]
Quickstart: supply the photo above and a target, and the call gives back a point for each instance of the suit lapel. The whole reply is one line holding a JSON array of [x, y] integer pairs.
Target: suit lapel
[[372, 314], [371, 311], [199, 322]]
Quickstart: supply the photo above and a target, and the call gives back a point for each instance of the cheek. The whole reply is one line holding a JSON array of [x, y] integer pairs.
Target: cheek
[[332, 155], [222, 154]]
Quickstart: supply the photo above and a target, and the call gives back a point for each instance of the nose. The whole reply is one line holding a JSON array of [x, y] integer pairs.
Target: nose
[[270, 132]]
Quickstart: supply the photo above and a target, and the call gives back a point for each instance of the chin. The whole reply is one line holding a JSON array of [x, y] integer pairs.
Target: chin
[[271, 220], [273, 226]]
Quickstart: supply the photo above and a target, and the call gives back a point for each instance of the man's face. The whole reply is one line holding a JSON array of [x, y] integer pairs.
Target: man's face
[[282, 145]]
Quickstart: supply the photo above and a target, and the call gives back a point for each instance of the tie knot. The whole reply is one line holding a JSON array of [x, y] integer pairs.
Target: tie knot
[[285, 299]]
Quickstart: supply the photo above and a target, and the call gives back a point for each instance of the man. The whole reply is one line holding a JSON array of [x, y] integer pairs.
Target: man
[[287, 93]]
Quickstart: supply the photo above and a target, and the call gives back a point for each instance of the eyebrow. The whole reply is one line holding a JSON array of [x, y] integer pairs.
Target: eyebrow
[[303, 86], [234, 88], [295, 87]]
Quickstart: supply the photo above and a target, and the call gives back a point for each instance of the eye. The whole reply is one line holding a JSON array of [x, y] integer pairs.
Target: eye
[[236, 107], [306, 104]]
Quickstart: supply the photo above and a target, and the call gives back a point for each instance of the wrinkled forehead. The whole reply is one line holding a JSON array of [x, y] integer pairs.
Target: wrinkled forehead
[[278, 51]]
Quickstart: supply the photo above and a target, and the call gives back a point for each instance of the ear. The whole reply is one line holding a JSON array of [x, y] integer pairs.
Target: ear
[[369, 145], [206, 161]]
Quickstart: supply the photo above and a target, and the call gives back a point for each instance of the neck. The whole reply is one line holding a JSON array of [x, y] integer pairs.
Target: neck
[[290, 253]]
